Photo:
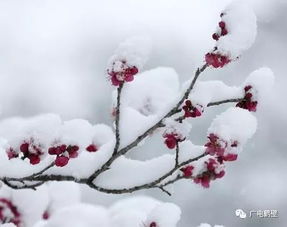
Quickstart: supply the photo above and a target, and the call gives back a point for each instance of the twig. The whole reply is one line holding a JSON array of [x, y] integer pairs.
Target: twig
[[224, 101], [176, 155], [117, 121]]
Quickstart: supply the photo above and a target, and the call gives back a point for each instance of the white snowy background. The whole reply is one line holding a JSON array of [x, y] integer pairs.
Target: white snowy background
[[53, 56]]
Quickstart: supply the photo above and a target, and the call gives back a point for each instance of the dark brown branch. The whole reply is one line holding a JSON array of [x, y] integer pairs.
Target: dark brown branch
[[224, 101], [176, 155], [24, 186], [117, 121]]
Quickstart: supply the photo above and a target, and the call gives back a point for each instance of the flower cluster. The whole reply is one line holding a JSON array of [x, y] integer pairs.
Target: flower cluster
[[172, 139], [28, 149], [33, 151], [216, 59], [191, 110], [121, 72], [222, 31], [248, 102], [175, 132], [220, 148], [63, 153], [9, 213], [212, 170]]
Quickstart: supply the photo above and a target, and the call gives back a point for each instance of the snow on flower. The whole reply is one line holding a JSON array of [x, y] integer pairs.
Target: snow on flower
[[235, 124], [175, 132], [236, 33], [128, 59]]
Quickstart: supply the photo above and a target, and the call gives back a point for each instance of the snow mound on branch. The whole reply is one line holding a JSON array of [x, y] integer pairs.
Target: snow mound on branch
[[46, 129], [125, 172], [166, 214], [241, 25], [30, 204], [234, 124], [134, 50], [151, 91], [130, 212], [144, 101], [205, 92], [8, 225], [62, 194], [80, 215], [262, 80]]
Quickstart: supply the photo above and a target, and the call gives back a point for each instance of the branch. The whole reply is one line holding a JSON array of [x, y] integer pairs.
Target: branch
[[117, 121], [159, 124], [153, 184], [176, 155], [224, 101]]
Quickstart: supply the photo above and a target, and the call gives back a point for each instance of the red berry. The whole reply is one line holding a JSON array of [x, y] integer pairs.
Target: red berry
[[224, 32], [92, 148], [46, 215], [215, 36], [61, 161], [34, 159], [187, 171], [170, 142], [73, 151], [153, 224], [11, 153], [24, 148], [221, 24]]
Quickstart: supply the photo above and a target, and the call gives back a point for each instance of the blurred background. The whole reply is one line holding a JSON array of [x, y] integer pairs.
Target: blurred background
[[53, 56]]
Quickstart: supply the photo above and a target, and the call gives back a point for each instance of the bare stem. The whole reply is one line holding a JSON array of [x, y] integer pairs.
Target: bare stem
[[117, 121]]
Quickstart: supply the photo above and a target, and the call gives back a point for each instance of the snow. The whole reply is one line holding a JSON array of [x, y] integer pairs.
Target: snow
[[8, 225], [166, 214], [182, 130], [205, 92], [125, 172], [262, 80], [146, 100], [241, 26], [130, 212], [134, 51], [47, 130], [235, 124]]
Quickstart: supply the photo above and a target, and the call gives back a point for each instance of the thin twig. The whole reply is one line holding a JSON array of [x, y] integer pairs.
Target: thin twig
[[117, 121], [176, 155], [224, 101]]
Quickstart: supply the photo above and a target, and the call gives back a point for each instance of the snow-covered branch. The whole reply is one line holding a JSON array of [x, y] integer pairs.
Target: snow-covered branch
[[44, 148]]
